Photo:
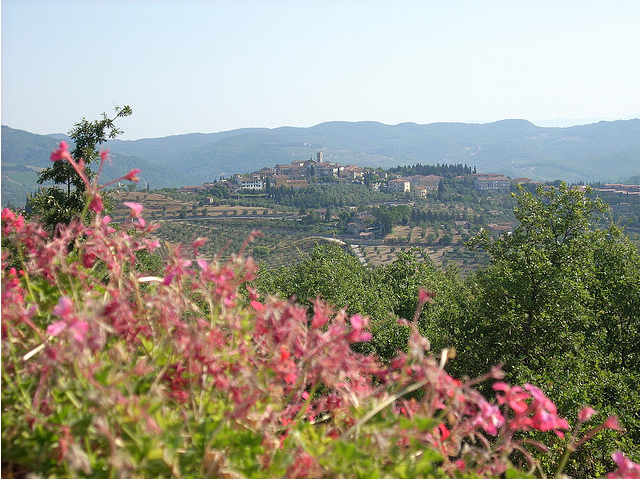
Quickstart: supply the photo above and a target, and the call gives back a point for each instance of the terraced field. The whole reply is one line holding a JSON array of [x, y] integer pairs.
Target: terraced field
[[284, 240]]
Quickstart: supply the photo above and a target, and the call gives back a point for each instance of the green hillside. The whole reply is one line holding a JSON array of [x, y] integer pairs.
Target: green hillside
[[24, 154], [604, 151]]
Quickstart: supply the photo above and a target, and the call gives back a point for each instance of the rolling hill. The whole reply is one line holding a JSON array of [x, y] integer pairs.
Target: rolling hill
[[24, 154], [604, 151]]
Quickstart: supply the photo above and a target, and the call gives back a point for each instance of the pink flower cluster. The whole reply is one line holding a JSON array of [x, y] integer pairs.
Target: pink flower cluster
[[11, 222], [626, 468], [78, 328], [532, 410]]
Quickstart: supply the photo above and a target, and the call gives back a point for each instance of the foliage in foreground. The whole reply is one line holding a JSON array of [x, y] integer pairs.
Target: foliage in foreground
[[107, 371]]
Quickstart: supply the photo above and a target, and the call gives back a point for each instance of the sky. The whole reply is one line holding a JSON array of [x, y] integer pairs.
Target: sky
[[211, 65]]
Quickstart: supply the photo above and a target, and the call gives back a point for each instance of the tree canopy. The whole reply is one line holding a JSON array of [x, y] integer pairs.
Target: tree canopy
[[55, 205]]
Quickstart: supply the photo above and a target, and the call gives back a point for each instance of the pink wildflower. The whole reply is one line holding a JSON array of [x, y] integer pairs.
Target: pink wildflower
[[257, 306], [12, 222], [357, 322], [136, 209], [132, 176], [104, 155], [399, 361], [79, 330], [290, 378], [62, 153], [152, 244], [358, 334], [545, 416], [320, 314], [14, 282], [540, 397], [626, 468], [64, 307], [444, 431], [490, 418], [286, 366], [585, 414], [514, 396], [177, 382], [204, 266], [425, 297], [96, 203], [612, 423], [197, 243], [303, 466], [56, 328], [8, 215], [284, 353], [19, 222], [64, 310]]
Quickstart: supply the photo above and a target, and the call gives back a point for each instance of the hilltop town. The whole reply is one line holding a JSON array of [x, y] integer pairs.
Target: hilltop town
[[301, 174]]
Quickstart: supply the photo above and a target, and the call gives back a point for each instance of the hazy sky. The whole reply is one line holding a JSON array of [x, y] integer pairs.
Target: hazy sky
[[207, 66]]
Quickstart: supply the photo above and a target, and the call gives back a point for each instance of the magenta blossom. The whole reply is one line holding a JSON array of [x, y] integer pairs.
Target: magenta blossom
[[585, 414], [545, 414], [136, 209], [64, 310], [197, 243], [8, 215], [425, 296], [62, 153], [626, 468], [358, 334], [489, 418], [132, 176], [12, 222], [513, 396], [612, 423], [96, 204]]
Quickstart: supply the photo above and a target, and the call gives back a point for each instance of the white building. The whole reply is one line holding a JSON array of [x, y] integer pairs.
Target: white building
[[250, 183], [399, 185], [491, 182]]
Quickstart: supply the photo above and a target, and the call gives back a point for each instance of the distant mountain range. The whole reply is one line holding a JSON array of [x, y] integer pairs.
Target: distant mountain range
[[603, 151]]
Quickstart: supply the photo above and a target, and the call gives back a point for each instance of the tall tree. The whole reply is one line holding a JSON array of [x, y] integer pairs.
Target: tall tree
[[55, 205], [616, 292], [535, 297], [559, 306]]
